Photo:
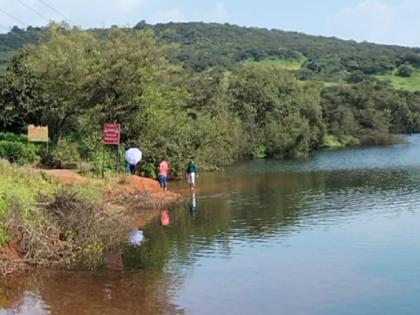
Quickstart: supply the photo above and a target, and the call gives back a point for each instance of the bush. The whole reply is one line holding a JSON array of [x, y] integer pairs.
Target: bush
[[66, 153], [332, 141], [105, 159], [404, 71], [18, 152], [148, 169], [57, 225], [85, 225], [19, 192], [12, 137]]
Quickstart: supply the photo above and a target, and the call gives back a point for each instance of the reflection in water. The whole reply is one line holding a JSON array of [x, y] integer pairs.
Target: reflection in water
[[165, 217], [136, 237], [30, 304], [193, 204], [336, 234], [69, 293]]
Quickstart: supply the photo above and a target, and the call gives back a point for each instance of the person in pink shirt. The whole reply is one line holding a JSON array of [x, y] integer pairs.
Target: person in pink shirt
[[163, 174]]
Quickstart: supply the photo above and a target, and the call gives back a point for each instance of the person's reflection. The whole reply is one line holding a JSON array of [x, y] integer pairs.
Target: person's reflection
[[165, 217], [136, 237], [193, 204]]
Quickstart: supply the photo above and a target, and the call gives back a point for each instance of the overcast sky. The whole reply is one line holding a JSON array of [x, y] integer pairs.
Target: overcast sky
[[381, 21]]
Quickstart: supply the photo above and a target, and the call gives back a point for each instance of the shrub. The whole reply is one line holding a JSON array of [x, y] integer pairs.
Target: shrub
[[18, 152], [148, 169], [65, 226], [19, 193], [12, 137], [105, 159], [84, 223], [404, 71], [332, 141], [66, 153]]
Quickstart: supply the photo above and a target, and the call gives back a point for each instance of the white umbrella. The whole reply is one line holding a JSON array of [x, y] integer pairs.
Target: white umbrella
[[133, 156]]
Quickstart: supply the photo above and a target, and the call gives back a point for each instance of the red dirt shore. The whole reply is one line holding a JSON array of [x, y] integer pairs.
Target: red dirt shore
[[142, 185], [123, 186], [130, 192]]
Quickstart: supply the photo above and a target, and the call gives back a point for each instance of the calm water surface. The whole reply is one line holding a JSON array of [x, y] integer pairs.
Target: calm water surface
[[335, 234]]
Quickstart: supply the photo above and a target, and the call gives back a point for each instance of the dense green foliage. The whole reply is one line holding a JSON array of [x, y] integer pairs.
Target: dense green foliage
[[19, 191], [371, 112], [281, 116], [16, 149], [404, 70], [203, 46], [14, 40], [222, 93], [74, 83], [411, 83]]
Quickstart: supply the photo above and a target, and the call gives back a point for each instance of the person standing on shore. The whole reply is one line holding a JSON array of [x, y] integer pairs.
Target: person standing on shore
[[192, 173], [133, 156], [163, 174]]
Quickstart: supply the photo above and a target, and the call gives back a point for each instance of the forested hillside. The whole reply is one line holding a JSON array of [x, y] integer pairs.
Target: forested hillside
[[203, 46], [208, 45], [219, 92], [15, 39]]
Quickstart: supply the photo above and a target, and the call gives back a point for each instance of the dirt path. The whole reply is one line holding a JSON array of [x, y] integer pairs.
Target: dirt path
[[66, 176]]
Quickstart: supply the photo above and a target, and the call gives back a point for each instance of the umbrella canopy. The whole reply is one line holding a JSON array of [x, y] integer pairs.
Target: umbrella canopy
[[133, 156]]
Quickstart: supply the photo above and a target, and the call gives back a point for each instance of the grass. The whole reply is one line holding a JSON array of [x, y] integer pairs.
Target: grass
[[19, 189], [331, 141], [58, 224], [331, 83], [285, 64], [411, 84]]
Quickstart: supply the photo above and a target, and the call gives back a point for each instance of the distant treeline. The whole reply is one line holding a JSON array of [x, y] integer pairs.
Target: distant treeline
[[203, 46], [208, 95]]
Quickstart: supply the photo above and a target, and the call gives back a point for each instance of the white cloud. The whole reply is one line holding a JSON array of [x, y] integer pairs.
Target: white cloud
[[378, 21], [91, 13], [214, 13], [369, 20], [221, 13], [170, 15], [103, 13], [128, 5]]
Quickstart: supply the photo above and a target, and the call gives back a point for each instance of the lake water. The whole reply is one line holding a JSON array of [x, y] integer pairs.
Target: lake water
[[338, 233]]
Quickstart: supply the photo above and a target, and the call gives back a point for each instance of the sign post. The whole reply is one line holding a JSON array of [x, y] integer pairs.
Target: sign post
[[38, 134], [111, 136]]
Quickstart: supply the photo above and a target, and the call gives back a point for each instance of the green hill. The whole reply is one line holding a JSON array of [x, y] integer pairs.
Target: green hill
[[411, 83], [14, 40], [202, 46]]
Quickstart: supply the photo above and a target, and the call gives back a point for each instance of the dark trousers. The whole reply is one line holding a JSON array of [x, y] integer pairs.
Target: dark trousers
[[132, 169], [163, 181]]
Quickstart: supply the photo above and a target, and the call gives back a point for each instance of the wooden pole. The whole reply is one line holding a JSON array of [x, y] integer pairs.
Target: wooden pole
[[117, 159], [103, 160]]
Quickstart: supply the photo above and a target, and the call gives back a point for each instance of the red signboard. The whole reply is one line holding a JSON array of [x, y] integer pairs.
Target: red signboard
[[111, 134]]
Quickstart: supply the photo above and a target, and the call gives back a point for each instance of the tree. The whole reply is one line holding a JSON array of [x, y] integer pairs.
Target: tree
[[20, 99], [368, 111], [279, 114], [61, 64], [404, 71]]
